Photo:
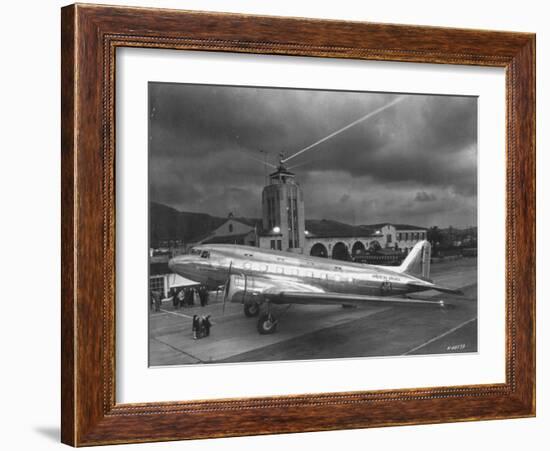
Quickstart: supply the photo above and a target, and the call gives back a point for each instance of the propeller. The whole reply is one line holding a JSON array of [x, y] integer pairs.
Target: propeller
[[227, 287]]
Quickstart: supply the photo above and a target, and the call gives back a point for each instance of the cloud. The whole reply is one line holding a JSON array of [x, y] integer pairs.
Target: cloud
[[345, 198], [423, 196], [207, 144]]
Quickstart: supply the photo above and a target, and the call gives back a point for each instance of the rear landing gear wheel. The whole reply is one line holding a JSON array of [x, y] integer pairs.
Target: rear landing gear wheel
[[251, 310], [267, 324]]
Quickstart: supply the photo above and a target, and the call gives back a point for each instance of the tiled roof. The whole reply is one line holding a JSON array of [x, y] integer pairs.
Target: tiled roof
[[397, 226], [225, 239], [333, 229], [249, 222]]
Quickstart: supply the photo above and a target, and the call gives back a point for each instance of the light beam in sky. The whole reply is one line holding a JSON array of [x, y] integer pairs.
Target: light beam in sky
[[343, 129]]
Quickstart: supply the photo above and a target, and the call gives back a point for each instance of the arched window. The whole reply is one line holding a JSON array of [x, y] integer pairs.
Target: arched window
[[357, 248], [230, 228], [340, 252], [318, 250]]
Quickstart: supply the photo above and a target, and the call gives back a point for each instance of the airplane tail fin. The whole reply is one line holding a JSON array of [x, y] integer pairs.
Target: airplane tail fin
[[417, 263]]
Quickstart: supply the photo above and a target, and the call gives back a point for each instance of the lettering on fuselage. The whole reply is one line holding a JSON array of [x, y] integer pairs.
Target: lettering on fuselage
[[386, 278]]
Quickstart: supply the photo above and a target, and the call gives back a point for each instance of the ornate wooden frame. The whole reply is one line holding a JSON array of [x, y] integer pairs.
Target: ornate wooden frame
[[90, 36]]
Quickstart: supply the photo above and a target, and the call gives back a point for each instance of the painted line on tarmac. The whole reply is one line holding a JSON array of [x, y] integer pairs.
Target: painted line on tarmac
[[181, 314], [177, 314], [450, 331], [181, 351]]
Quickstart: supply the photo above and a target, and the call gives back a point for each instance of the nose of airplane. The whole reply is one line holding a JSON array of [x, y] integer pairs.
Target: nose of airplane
[[178, 263]]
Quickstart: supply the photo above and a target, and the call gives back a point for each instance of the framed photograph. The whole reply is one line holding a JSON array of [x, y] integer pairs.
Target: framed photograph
[[279, 225]]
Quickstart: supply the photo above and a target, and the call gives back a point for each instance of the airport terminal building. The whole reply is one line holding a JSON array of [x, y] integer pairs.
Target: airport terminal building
[[283, 227]]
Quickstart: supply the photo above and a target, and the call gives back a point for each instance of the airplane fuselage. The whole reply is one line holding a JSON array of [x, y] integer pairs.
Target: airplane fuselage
[[210, 265]]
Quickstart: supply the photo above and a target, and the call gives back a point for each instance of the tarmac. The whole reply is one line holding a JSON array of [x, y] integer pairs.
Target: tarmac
[[324, 332]]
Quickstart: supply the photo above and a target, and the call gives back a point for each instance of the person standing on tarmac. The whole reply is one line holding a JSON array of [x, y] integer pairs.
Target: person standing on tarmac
[[188, 296], [206, 324], [156, 300], [195, 327], [175, 297], [203, 295], [181, 298]]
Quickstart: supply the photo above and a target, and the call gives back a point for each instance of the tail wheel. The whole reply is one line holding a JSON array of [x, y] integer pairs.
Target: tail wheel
[[251, 310], [267, 324]]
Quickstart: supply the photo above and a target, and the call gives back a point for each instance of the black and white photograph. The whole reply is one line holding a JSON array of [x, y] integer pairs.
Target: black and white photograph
[[297, 224], [241, 225]]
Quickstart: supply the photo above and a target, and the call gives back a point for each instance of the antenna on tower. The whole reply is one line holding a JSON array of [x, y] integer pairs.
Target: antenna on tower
[[282, 165]]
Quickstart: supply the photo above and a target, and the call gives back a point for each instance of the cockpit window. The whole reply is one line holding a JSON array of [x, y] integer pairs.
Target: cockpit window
[[195, 251], [205, 254]]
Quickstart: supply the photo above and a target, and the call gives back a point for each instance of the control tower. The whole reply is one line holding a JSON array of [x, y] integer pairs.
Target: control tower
[[283, 210]]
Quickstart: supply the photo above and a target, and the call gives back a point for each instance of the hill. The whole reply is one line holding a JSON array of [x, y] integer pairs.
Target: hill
[[167, 223]]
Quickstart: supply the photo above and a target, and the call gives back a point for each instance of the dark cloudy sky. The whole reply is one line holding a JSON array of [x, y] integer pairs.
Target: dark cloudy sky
[[414, 162]]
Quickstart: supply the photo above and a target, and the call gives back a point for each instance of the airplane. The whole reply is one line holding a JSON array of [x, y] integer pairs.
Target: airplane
[[259, 278]]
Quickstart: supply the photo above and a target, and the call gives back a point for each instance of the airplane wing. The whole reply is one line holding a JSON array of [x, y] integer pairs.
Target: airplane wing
[[278, 291], [307, 297], [437, 288]]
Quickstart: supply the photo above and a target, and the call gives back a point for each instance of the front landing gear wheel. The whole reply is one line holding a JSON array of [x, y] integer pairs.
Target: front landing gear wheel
[[267, 324], [251, 310]]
